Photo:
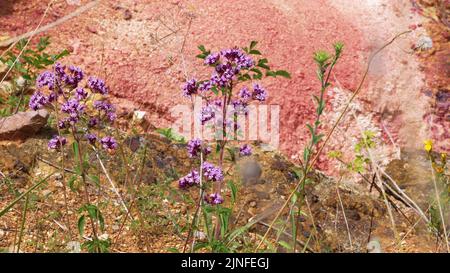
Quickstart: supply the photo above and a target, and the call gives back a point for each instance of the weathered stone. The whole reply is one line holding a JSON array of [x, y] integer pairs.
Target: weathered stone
[[22, 125]]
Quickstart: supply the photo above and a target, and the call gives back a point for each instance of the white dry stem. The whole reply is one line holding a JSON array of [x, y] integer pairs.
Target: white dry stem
[[49, 26], [113, 187], [32, 33], [343, 212]]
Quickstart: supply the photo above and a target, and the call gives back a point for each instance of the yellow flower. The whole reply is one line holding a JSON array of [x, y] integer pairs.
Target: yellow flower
[[428, 145]]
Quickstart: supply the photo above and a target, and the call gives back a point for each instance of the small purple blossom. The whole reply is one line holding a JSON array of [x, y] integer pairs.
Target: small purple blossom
[[62, 124], [97, 85], [46, 78], [245, 150], [37, 101], [212, 172], [74, 108], [190, 88], [57, 142], [205, 86], [259, 93], [207, 113], [212, 58], [244, 94], [93, 122], [80, 93], [240, 107], [107, 108], [214, 199], [194, 147], [109, 143], [191, 179], [74, 77], [92, 138]]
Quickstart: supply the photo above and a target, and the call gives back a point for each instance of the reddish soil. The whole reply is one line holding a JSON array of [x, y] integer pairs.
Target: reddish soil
[[145, 49]]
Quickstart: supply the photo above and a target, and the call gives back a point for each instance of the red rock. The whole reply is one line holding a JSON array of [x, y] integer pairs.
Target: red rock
[[22, 125]]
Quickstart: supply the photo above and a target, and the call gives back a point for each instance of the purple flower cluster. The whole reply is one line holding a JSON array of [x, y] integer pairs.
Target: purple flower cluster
[[46, 78], [212, 58], [214, 199], [212, 172], [245, 150], [74, 108], [190, 88], [74, 77], [227, 64], [259, 93], [106, 108], [63, 84], [193, 178], [194, 147], [57, 142], [92, 138], [37, 101], [80, 93], [97, 85], [109, 143], [207, 113]]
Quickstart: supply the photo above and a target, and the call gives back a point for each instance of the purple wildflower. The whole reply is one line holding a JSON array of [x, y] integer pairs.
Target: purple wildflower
[[52, 97], [37, 101], [60, 70], [80, 93], [214, 199], [107, 108], [244, 94], [212, 58], [57, 142], [245, 150], [93, 122], [74, 77], [92, 138], [205, 86], [190, 88], [207, 113], [259, 93], [240, 107], [97, 85], [46, 78], [109, 143], [62, 124], [74, 109], [194, 147], [191, 179], [212, 172]]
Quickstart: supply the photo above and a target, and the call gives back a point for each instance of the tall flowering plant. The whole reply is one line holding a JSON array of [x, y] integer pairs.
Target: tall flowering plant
[[233, 85], [82, 114]]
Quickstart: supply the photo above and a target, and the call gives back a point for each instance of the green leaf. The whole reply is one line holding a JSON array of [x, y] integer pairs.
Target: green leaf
[[253, 44], [95, 179], [233, 189], [255, 52], [81, 224], [202, 48], [71, 183], [271, 74], [173, 250], [285, 244], [43, 43], [283, 73]]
